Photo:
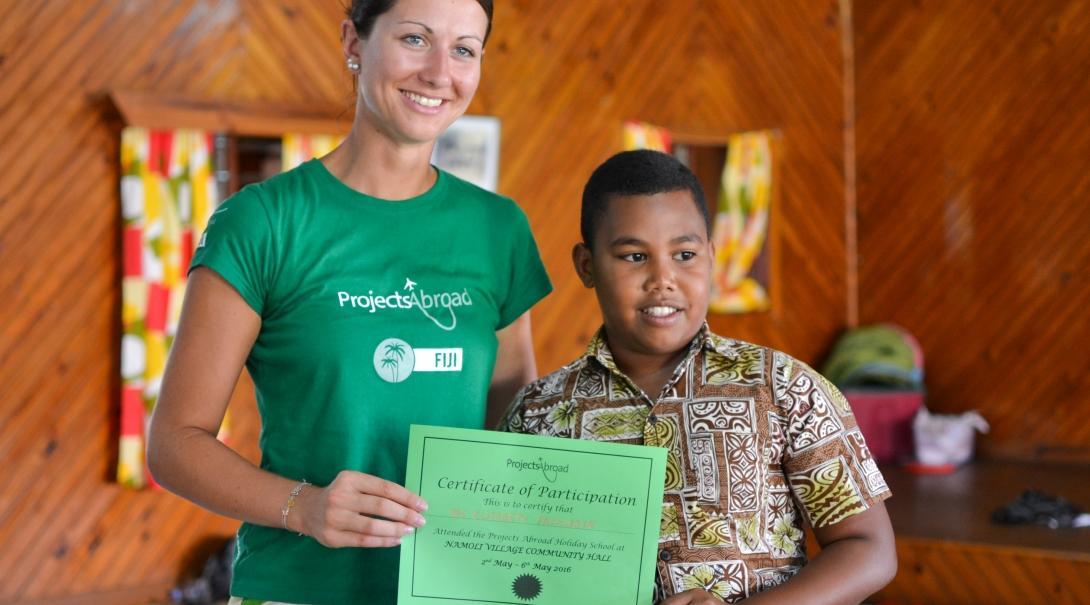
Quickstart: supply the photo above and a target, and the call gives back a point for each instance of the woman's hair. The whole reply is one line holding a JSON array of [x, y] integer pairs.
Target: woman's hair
[[363, 13]]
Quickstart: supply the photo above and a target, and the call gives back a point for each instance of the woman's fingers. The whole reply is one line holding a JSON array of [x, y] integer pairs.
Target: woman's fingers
[[371, 526], [388, 509], [347, 539], [359, 510], [368, 495], [376, 486]]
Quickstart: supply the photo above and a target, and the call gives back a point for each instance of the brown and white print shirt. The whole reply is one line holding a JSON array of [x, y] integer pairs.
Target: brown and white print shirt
[[758, 442]]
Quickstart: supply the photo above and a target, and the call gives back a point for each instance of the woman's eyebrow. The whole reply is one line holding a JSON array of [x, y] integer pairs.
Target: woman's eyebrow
[[431, 31], [426, 28]]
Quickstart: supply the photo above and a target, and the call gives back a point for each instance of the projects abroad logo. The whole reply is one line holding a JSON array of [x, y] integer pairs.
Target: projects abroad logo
[[550, 471], [431, 304], [395, 360]]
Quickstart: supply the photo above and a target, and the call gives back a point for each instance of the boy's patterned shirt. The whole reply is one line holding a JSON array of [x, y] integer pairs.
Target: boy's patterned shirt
[[757, 441]]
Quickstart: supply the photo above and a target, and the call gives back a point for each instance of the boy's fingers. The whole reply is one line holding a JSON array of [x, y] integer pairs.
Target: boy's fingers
[[694, 596]]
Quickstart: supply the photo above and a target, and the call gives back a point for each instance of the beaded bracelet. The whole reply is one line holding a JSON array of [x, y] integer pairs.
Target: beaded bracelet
[[290, 504]]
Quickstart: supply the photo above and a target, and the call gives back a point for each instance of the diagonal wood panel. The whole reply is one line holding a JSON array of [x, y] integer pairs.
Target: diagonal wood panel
[[562, 77], [972, 213]]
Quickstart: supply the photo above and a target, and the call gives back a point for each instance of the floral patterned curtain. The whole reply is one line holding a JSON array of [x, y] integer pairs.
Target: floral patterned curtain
[[739, 285], [167, 194], [641, 135], [298, 148]]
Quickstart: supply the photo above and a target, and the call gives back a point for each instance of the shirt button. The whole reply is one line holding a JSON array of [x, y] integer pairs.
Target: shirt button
[[664, 555]]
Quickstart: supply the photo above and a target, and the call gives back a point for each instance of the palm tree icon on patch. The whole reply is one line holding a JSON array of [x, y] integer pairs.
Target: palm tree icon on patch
[[394, 360]]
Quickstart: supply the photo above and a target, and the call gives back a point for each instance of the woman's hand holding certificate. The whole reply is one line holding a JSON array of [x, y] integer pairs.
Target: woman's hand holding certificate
[[527, 519]]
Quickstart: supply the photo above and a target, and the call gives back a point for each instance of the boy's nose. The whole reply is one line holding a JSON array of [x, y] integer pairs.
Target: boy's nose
[[661, 277]]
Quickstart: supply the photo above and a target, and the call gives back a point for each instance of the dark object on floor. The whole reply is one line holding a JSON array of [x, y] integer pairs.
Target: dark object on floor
[[1037, 508], [214, 583]]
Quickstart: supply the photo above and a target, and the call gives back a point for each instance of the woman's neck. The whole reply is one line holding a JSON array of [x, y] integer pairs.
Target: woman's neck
[[371, 163]]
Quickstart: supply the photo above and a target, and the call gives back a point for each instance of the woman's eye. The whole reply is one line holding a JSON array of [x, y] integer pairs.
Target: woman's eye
[[634, 257], [685, 255], [414, 40], [465, 51]]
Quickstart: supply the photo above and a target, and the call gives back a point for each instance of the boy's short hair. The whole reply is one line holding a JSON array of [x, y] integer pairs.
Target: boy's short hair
[[639, 172]]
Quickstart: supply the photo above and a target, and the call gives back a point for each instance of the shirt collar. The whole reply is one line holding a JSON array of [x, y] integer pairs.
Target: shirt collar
[[598, 348]]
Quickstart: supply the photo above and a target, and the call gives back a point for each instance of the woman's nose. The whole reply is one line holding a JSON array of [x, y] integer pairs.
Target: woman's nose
[[436, 71]]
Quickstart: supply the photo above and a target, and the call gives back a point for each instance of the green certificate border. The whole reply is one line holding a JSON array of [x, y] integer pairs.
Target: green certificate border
[[480, 514]]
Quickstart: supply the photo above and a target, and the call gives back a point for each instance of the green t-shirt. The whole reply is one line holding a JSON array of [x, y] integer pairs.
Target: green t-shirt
[[374, 315]]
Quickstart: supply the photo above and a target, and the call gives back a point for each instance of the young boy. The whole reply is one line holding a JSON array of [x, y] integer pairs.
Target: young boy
[[757, 441]]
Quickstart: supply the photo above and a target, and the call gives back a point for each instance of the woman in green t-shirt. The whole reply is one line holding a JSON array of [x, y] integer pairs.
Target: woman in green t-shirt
[[331, 284]]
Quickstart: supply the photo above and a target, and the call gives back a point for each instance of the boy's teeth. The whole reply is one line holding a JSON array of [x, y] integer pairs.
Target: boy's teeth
[[425, 101], [659, 311]]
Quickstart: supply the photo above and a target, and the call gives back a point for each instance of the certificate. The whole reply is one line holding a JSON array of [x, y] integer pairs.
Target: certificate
[[529, 519]]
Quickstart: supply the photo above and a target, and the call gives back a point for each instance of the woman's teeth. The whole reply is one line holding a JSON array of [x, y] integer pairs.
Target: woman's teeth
[[422, 100]]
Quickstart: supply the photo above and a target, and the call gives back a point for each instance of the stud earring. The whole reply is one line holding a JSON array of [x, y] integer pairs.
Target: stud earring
[[353, 64]]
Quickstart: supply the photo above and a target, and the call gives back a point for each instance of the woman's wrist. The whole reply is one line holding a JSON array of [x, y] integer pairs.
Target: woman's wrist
[[291, 515]]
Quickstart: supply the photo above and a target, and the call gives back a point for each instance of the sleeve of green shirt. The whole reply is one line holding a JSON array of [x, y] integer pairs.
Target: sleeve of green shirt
[[529, 281], [238, 245]]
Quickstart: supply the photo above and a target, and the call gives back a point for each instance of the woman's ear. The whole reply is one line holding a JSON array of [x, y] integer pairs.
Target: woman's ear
[[581, 259], [350, 41]]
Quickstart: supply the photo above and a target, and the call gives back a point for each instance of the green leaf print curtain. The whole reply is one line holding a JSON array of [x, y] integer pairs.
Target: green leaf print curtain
[[740, 229]]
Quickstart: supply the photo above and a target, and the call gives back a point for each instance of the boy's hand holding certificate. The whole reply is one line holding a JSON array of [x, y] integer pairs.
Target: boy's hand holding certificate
[[527, 519]]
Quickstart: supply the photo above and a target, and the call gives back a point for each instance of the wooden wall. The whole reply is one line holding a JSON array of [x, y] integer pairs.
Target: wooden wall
[[562, 76], [973, 149]]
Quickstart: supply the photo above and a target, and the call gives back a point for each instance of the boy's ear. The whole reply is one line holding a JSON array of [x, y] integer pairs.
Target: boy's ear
[[580, 257]]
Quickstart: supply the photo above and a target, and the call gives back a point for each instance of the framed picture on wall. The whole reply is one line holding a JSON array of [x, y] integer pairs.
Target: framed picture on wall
[[470, 150]]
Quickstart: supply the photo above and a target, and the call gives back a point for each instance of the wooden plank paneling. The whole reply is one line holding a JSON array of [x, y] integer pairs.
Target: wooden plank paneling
[[694, 66], [950, 552], [934, 572], [562, 77], [973, 147]]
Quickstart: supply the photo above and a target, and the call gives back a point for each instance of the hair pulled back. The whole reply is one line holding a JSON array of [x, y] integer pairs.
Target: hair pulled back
[[363, 13]]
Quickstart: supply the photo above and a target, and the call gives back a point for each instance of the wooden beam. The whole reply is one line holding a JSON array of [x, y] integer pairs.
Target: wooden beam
[[230, 117]]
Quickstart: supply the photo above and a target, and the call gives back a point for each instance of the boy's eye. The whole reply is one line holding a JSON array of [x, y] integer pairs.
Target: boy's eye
[[685, 255], [634, 257]]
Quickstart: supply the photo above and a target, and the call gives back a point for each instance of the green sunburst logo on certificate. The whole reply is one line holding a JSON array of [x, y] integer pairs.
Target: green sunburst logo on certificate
[[526, 587]]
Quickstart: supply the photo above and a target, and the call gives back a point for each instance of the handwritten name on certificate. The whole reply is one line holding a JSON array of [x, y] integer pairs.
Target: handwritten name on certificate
[[527, 519]]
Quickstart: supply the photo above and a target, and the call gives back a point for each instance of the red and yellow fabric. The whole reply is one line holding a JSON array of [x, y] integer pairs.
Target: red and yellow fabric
[[298, 148], [167, 194], [641, 135], [741, 224]]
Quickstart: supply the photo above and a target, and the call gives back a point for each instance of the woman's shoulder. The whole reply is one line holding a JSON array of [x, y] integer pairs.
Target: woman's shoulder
[[288, 182], [474, 196], [278, 192]]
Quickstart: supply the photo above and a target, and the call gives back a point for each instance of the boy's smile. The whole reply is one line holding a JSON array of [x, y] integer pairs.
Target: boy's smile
[[651, 269]]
